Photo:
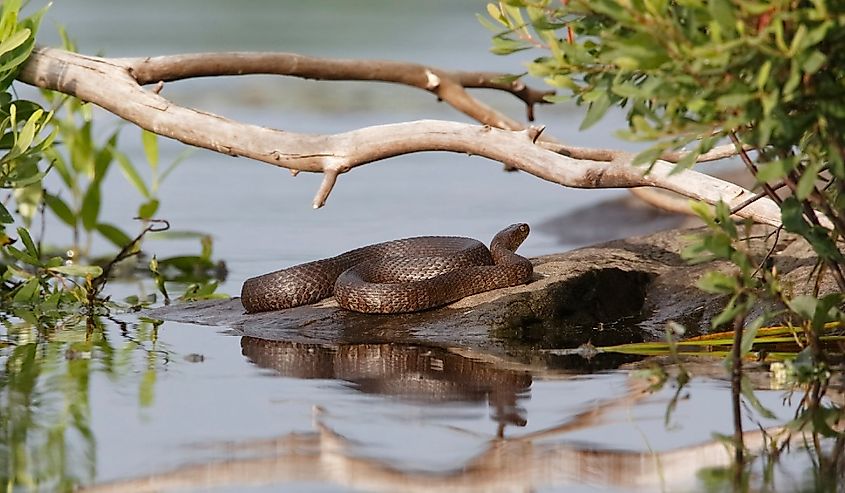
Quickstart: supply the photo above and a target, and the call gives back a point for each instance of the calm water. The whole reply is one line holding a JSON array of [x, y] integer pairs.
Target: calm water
[[133, 407]]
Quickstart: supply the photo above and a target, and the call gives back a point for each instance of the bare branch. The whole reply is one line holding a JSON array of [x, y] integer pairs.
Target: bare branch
[[109, 84], [447, 86], [329, 179], [663, 200], [715, 154]]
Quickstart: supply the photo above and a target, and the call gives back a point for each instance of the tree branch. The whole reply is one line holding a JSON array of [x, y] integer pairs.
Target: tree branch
[[715, 154], [651, 196], [447, 86], [110, 84]]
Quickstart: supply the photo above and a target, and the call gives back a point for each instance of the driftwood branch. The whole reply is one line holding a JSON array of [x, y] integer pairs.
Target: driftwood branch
[[116, 85], [448, 86]]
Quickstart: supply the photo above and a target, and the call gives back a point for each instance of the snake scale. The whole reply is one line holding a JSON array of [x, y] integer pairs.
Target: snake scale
[[398, 276]]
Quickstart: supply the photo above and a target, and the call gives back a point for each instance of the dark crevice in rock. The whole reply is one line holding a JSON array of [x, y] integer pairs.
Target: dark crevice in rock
[[604, 303]]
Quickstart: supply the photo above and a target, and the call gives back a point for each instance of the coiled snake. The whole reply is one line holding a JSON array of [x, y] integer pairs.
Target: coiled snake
[[406, 275]]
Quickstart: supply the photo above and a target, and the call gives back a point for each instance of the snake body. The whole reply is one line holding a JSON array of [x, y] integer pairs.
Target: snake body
[[406, 275]]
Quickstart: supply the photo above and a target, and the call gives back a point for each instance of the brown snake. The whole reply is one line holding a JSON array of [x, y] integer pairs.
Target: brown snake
[[406, 275]]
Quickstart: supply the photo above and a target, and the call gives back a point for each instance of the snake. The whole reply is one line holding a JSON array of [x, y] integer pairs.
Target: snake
[[398, 276]]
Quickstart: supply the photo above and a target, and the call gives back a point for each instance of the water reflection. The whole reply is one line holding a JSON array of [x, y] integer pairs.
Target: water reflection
[[530, 461], [45, 412], [417, 373], [67, 394]]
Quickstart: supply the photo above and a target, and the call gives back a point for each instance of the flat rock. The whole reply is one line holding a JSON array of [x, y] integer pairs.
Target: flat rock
[[612, 293]]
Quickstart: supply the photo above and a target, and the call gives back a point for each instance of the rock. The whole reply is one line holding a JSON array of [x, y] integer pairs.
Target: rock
[[616, 292]]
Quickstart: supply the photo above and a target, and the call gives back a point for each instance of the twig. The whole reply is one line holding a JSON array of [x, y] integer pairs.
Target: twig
[[755, 198], [736, 394], [770, 252], [791, 181], [752, 167], [575, 152], [128, 250]]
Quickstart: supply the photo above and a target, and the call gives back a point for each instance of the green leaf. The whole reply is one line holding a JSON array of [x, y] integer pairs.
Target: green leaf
[[10, 67], [54, 262], [807, 182], [792, 216], [732, 310], [14, 41], [159, 279], [185, 154], [115, 235], [814, 62], [5, 217], [722, 11], [649, 156], [148, 209], [749, 333], [26, 135], [60, 209], [150, 142], [81, 149], [31, 249], [28, 291], [763, 74], [74, 270], [185, 263], [503, 45], [747, 391], [822, 243], [719, 245], [597, 109], [487, 24], [703, 210], [104, 158], [131, 174], [735, 100], [557, 98], [22, 256], [803, 305], [91, 206], [827, 311], [718, 283], [687, 161], [495, 13]]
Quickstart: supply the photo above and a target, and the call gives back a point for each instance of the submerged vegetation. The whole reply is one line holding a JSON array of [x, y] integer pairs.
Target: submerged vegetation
[[766, 76]]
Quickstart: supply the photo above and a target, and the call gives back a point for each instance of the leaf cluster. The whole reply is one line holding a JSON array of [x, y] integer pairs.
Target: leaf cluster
[[36, 280], [769, 75]]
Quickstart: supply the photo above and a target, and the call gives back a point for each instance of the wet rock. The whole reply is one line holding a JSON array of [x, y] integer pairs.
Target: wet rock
[[616, 292]]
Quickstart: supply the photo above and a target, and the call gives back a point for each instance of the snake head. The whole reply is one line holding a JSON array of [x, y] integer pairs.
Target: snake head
[[511, 237]]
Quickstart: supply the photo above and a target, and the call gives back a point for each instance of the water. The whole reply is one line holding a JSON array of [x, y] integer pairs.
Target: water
[[184, 405], [130, 406]]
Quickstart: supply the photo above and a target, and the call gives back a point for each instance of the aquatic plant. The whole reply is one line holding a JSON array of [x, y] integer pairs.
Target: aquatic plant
[[37, 278], [52, 299]]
